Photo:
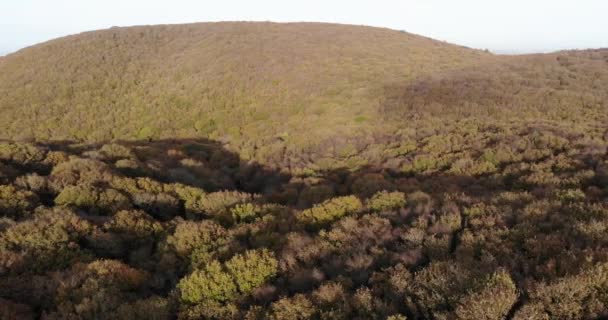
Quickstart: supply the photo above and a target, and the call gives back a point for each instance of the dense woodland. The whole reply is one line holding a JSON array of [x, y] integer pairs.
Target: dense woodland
[[300, 171]]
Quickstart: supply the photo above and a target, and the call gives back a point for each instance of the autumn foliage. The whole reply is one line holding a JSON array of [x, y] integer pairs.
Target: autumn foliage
[[199, 172]]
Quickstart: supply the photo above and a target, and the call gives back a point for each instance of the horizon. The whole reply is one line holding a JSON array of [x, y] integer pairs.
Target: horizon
[[378, 163], [505, 51], [514, 28]]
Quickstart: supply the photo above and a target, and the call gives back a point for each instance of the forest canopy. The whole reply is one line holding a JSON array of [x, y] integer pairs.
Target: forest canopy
[[300, 171]]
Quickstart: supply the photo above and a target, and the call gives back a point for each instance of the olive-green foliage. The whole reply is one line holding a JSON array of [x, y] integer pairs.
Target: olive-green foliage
[[216, 203], [48, 241], [34, 182], [55, 157], [146, 133], [93, 198], [241, 274], [16, 203], [115, 152], [531, 311], [246, 212], [209, 309], [440, 286], [252, 269], [297, 307], [331, 300], [205, 127], [484, 177], [209, 283], [570, 195], [21, 153], [421, 164], [329, 211], [129, 166], [575, 297], [78, 171], [127, 82], [383, 200], [466, 166], [443, 246], [492, 301], [134, 225], [78, 196], [190, 236]]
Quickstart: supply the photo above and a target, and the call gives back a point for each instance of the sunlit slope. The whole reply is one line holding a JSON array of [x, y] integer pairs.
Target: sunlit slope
[[230, 81], [288, 95]]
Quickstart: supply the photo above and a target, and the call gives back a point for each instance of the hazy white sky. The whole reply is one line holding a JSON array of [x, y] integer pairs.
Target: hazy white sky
[[499, 25]]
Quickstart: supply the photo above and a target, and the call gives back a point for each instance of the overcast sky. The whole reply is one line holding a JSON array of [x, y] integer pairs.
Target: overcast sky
[[506, 26]]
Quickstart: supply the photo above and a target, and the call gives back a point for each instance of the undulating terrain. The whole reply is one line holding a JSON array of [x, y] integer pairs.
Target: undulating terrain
[[300, 171]]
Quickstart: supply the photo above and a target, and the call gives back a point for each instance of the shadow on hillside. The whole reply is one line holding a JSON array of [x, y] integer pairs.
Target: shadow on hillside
[[208, 165], [518, 82], [201, 163]]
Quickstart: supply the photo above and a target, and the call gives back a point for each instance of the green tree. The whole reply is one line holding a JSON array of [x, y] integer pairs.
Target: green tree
[[492, 301], [16, 203], [252, 269], [384, 200], [323, 214], [210, 283], [297, 307]]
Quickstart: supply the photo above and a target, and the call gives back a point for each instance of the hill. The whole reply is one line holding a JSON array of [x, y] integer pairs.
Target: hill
[[300, 171], [273, 92], [235, 82]]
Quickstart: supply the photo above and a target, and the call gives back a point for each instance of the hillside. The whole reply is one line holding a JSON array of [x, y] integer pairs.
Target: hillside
[[300, 171], [238, 82], [273, 92]]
